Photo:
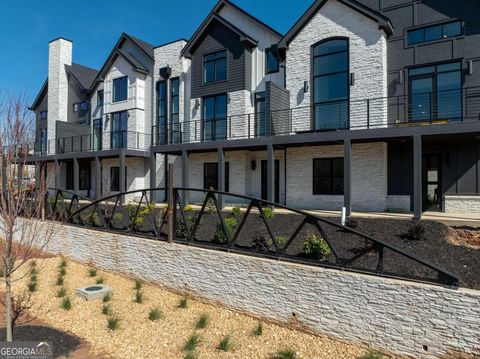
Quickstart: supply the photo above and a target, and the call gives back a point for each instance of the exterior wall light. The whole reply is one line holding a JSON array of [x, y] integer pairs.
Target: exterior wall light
[[197, 103], [352, 79], [470, 67], [306, 86]]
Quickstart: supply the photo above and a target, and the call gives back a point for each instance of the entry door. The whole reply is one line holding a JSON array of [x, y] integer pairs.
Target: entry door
[[421, 105], [432, 189], [265, 180]]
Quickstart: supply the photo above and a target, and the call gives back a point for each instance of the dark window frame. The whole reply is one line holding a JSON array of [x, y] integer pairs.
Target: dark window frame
[[84, 177], [277, 67], [331, 190], [214, 61], [97, 123], [215, 180], [440, 25], [100, 98], [117, 182], [43, 115], [174, 121], [114, 92], [213, 135], [121, 135], [162, 116]]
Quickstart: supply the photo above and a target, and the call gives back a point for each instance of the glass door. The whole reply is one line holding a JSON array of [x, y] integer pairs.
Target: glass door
[[421, 89], [260, 116], [97, 135], [264, 179], [119, 130], [432, 192]]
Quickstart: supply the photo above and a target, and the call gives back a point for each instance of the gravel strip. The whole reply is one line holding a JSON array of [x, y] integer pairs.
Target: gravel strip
[[138, 337]]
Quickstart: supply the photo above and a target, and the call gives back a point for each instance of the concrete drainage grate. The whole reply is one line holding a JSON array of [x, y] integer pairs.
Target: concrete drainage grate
[[93, 292]]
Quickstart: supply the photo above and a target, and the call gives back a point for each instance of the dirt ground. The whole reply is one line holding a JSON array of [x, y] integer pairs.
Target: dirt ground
[[138, 337]]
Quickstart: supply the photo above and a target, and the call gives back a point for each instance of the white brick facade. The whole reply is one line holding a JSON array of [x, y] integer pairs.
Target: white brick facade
[[458, 203]]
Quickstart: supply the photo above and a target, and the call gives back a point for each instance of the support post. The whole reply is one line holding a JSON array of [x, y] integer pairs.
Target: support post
[[347, 183], [221, 177], [185, 177], [270, 174], [43, 190], [76, 176], [98, 178], [171, 209], [153, 176], [417, 177], [57, 174], [122, 175], [165, 176]]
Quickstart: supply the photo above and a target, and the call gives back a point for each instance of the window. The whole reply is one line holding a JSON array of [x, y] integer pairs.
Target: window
[[115, 179], [436, 92], [175, 110], [260, 117], [328, 176], [99, 98], [43, 140], [271, 61], [120, 89], [80, 106], [215, 67], [84, 180], [210, 176], [162, 112], [434, 32], [97, 134], [43, 115], [215, 118], [330, 84], [69, 176], [119, 130]]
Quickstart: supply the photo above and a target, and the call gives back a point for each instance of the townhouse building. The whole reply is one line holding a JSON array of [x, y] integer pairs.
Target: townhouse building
[[373, 105]]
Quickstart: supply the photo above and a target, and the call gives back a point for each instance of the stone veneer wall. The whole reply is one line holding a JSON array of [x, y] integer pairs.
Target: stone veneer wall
[[408, 318], [462, 204]]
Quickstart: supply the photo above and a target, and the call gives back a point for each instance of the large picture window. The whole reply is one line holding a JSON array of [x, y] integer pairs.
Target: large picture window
[[434, 32], [215, 67], [328, 176], [162, 113], [330, 84], [119, 130], [215, 118], [272, 64], [120, 89], [210, 176]]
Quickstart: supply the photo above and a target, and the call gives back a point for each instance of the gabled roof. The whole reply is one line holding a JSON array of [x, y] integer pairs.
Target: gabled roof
[[84, 75], [213, 17], [383, 21], [40, 96], [116, 51]]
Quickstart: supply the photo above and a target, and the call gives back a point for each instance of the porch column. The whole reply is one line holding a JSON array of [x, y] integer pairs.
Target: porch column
[[185, 177], [165, 176], [122, 175], [98, 178], [417, 177], [76, 175], [153, 176], [347, 169], [57, 174], [221, 176], [270, 174]]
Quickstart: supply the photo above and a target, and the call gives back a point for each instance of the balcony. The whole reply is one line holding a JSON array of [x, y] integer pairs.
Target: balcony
[[418, 109]]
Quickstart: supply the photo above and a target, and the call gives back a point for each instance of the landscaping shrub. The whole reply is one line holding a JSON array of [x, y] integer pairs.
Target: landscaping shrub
[[60, 280], [260, 243], [184, 228], [92, 272], [33, 271], [202, 321], [285, 354], [143, 213], [416, 232], [118, 217], [113, 322], [236, 211], [66, 303], [138, 284], [138, 297], [183, 303], [155, 314], [33, 263], [281, 241], [268, 213], [226, 343], [190, 355], [100, 280], [316, 247], [61, 292], [192, 343], [62, 271], [187, 208], [219, 236], [63, 263], [258, 331], [351, 223], [106, 309], [33, 277], [32, 286], [107, 297]]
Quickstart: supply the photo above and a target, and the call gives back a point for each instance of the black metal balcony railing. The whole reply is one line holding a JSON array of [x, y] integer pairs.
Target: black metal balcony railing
[[406, 110]]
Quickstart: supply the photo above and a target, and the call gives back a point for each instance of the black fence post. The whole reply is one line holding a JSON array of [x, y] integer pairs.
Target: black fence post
[[170, 208]]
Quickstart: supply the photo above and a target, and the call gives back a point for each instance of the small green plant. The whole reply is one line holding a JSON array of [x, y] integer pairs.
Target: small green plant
[[62, 271], [192, 343], [33, 270], [258, 331], [60, 280], [138, 284], [281, 241], [371, 355], [113, 322], [416, 231], [138, 297], [226, 343], [219, 236], [118, 217], [66, 303], [100, 280], [285, 354], [63, 263], [155, 314], [61, 292], [187, 208], [33, 263], [202, 321], [106, 309], [33, 278], [268, 213], [32, 286], [190, 355], [236, 211], [183, 303], [92, 272], [316, 247], [107, 297]]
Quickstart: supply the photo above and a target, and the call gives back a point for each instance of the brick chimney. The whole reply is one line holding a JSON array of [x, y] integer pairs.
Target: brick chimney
[[59, 55]]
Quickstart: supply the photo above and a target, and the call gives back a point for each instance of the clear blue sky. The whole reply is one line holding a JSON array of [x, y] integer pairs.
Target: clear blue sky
[[26, 27]]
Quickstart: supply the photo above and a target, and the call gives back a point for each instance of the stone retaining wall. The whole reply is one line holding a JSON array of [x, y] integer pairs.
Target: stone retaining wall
[[408, 318]]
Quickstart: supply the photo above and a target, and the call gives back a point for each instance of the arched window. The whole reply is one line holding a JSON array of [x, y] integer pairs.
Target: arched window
[[330, 84]]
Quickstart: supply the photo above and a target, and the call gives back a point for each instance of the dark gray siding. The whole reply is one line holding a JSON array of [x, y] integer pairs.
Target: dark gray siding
[[217, 38], [68, 129], [277, 99], [400, 168]]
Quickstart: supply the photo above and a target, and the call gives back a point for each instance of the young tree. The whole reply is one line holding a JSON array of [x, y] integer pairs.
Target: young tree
[[22, 233]]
